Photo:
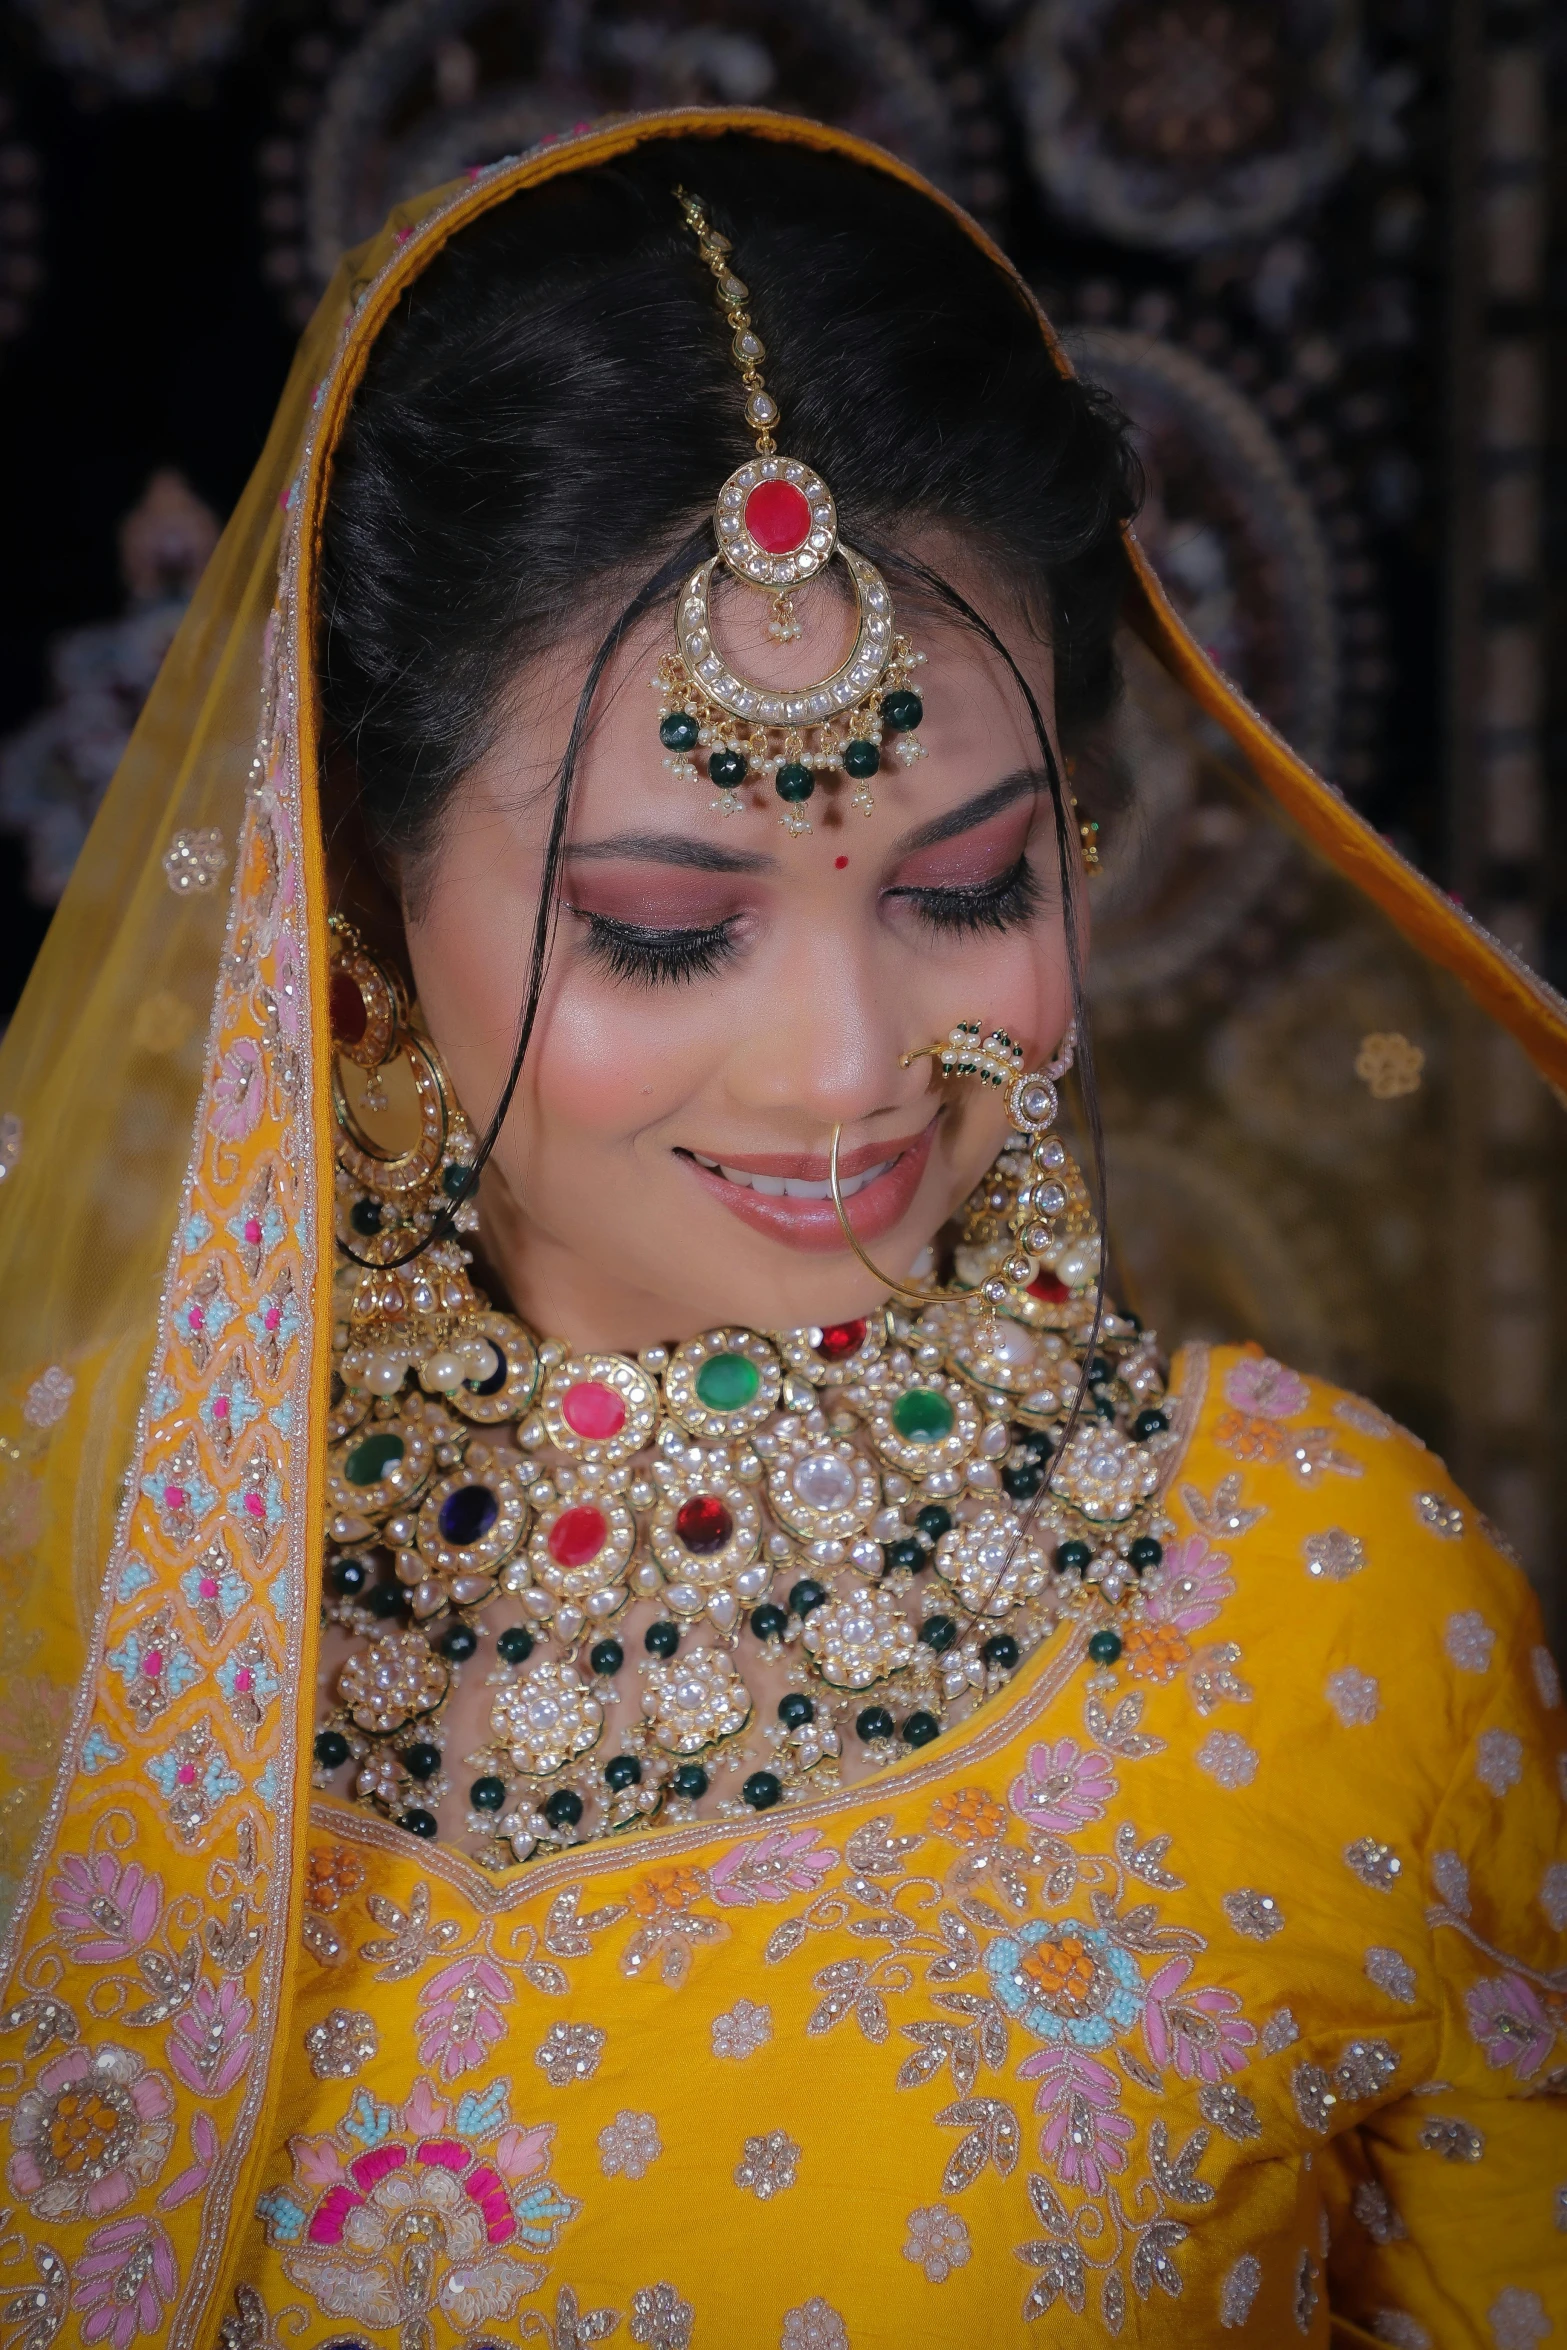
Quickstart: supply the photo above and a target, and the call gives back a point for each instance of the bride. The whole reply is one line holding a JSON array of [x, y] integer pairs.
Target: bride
[[681, 1726]]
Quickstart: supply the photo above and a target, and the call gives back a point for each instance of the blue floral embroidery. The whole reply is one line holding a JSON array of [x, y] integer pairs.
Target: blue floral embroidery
[[1066, 1981], [369, 2121], [230, 1596], [175, 1668], [98, 1752], [135, 1576], [272, 1230], [283, 2213], [197, 1232], [240, 1397]]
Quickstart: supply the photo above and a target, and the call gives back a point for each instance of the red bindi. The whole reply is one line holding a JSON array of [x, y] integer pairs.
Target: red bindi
[[840, 862]]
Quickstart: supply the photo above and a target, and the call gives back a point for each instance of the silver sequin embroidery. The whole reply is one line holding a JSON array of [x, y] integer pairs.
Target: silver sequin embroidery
[[1254, 1914], [768, 2165], [1391, 1973], [1443, 1517], [1239, 2290], [1498, 1760], [1374, 1863], [1469, 1641], [1226, 1755], [1335, 1555], [1371, 2205], [569, 2052], [1229, 2110], [1353, 1695], [745, 2028]]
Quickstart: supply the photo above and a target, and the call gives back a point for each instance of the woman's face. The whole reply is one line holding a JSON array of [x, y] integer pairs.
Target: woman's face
[[720, 995]]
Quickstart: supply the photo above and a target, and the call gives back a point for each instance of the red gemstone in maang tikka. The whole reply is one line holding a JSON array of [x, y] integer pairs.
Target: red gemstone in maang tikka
[[778, 517]]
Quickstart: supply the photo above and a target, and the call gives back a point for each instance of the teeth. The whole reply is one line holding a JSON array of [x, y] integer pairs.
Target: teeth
[[789, 1186]]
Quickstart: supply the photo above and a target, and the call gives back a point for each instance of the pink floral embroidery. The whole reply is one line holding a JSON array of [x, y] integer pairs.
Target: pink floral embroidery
[[108, 1911], [1083, 2137], [787, 1861], [1259, 1385], [239, 1092], [1196, 1583], [123, 2282], [1509, 2023], [191, 2180], [387, 2179], [1204, 2035], [211, 2043], [110, 2116], [1064, 1787], [459, 2023]]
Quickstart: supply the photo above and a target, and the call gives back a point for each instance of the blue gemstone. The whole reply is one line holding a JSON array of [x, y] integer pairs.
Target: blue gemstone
[[468, 1514]]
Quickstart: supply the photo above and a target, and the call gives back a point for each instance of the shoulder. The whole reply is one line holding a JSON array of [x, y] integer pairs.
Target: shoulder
[[1354, 1551]]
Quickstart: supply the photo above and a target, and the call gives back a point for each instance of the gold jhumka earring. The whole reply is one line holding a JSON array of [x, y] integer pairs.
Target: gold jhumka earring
[[777, 527]]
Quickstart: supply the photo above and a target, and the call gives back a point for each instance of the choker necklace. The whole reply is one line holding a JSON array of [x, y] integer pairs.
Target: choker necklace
[[888, 1512]]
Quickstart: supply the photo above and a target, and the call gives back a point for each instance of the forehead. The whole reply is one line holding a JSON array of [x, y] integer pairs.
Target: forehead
[[976, 731]]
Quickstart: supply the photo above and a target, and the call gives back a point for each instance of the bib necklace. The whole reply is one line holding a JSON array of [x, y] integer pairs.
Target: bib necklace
[[889, 1514]]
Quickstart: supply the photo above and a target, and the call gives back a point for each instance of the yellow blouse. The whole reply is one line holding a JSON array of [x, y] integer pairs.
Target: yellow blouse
[[1214, 1992]]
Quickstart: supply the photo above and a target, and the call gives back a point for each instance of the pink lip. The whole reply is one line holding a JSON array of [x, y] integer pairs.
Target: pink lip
[[813, 1224]]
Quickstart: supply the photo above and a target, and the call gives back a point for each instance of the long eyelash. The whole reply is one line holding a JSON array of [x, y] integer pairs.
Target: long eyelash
[[656, 958], [1007, 903]]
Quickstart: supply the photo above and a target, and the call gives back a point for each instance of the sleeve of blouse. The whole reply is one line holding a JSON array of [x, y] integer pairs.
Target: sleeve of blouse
[[1448, 2208]]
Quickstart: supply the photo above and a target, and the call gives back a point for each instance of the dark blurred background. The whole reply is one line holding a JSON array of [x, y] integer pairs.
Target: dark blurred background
[[1318, 247]]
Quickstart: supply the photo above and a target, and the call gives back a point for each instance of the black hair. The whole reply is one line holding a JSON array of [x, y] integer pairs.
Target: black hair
[[545, 422]]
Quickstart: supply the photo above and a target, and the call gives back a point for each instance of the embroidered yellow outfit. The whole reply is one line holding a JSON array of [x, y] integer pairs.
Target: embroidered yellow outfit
[[1216, 1990], [1192, 1995]]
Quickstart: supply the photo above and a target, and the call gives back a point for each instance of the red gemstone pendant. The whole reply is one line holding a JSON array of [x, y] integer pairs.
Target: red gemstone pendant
[[703, 1524], [778, 517], [840, 1340], [591, 1409]]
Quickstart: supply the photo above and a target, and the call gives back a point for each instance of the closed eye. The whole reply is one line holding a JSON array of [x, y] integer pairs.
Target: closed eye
[[640, 955], [1008, 902]]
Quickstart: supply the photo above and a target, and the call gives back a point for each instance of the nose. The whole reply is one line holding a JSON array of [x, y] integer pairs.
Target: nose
[[827, 1048]]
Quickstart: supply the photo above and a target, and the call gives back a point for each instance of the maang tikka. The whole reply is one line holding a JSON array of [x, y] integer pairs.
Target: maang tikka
[[777, 528]]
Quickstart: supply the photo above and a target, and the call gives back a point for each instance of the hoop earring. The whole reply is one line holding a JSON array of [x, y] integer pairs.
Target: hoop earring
[[1036, 1202], [399, 1209]]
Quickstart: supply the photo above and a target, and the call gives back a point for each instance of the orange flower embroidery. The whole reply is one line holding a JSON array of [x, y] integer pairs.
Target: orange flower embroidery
[[1155, 1652], [331, 1874], [1063, 1971], [969, 1815], [664, 1893], [1248, 1438]]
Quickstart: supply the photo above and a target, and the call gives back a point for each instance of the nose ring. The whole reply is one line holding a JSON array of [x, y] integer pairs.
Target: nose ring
[[1032, 1106]]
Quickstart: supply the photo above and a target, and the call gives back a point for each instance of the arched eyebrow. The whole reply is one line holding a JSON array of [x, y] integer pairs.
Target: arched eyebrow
[[673, 848], [1026, 782]]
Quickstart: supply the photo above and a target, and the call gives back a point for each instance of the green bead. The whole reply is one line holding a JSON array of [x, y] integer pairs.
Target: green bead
[[728, 769], [563, 1809], [662, 1639], [678, 731], [1032, 1441], [421, 1760], [768, 1622], [921, 1416], [454, 1177], [515, 1645], [365, 1217], [934, 1521], [807, 1593], [795, 1710], [459, 1643], [1023, 1479], [1145, 1552], [1104, 1647], [860, 758], [1149, 1424], [419, 1822], [690, 1782], [1001, 1650], [727, 1383], [1073, 1557], [874, 1722], [384, 1599], [349, 1576], [761, 1791], [901, 711], [606, 1656], [921, 1728], [794, 782], [621, 1771], [487, 1794], [332, 1750], [907, 1553], [1098, 1372], [938, 1633], [371, 1457]]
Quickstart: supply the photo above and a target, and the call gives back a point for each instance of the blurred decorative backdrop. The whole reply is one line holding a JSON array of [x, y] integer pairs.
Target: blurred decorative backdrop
[[1317, 248]]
